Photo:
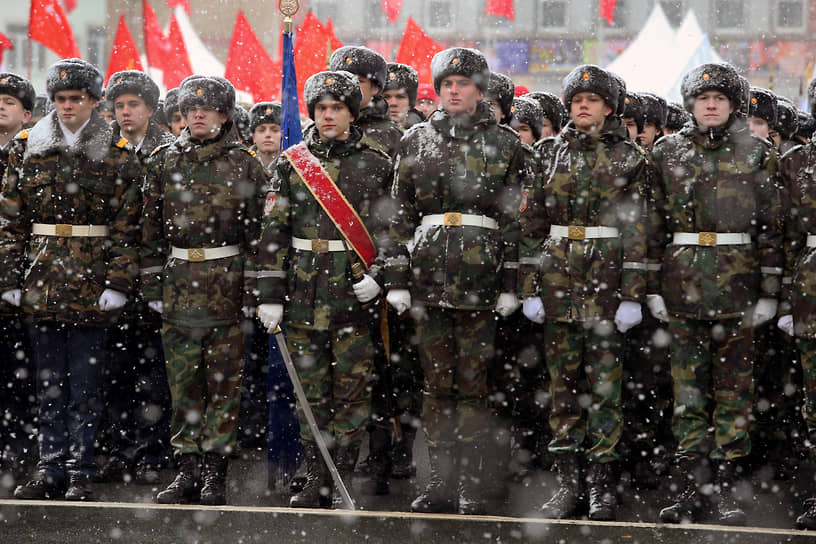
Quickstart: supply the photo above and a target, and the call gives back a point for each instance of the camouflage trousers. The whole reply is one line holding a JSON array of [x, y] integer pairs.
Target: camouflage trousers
[[807, 352], [204, 368], [712, 369], [455, 348], [334, 367], [585, 371]]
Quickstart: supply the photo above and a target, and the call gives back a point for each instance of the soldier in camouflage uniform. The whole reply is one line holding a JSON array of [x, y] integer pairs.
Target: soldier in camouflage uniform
[[457, 181], [783, 132], [761, 112], [583, 267], [401, 94], [265, 124], [307, 265], [676, 118], [69, 253], [720, 251], [200, 228], [553, 111], [17, 447], [173, 112]]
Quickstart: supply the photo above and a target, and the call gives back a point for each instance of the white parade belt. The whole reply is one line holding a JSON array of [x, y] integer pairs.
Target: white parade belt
[[455, 219], [200, 254], [578, 232], [317, 245], [711, 238], [67, 231]]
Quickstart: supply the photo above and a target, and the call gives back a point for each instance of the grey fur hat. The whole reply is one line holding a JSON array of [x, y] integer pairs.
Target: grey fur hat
[[240, 117], [171, 103], [501, 89], [811, 96], [18, 87], [677, 116], [807, 124], [264, 112], [71, 75], [212, 92], [633, 109], [621, 95], [360, 61], [551, 107], [717, 76], [655, 109], [461, 61], [402, 76], [339, 85], [133, 82], [786, 119], [159, 115], [528, 111], [593, 79], [763, 105]]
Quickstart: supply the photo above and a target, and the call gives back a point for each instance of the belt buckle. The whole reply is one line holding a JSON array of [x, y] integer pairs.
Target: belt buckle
[[453, 219], [576, 232], [707, 238], [320, 246], [61, 229], [196, 255]]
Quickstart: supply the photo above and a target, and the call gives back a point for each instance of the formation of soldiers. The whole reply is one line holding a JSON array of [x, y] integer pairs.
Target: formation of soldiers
[[660, 256]]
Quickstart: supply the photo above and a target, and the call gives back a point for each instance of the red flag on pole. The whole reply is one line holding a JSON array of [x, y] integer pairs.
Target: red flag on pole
[[312, 52], [417, 49], [5, 43], [156, 47], [70, 5], [49, 25], [249, 67], [391, 8], [173, 4], [501, 8], [607, 10], [178, 63], [124, 55], [334, 43]]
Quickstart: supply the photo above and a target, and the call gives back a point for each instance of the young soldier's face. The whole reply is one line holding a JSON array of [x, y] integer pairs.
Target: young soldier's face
[[647, 137], [426, 107], [759, 127], [495, 108], [711, 109], [459, 94], [332, 119], [74, 108], [369, 90], [177, 123], [204, 122], [547, 129], [526, 134], [588, 111], [631, 127], [776, 137], [267, 137], [132, 114], [398, 104], [12, 114]]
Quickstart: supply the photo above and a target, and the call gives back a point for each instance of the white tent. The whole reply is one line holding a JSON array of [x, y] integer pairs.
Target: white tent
[[694, 45]]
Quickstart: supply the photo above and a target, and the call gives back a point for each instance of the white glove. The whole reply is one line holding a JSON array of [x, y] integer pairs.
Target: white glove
[[533, 309], [399, 299], [270, 315], [507, 304], [628, 315], [156, 305], [764, 310], [248, 311], [657, 306], [12, 296], [366, 289], [111, 300], [786, 324]]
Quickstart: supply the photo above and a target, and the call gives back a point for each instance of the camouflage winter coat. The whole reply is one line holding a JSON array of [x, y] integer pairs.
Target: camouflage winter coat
[[201, 195], [92, 182], [375, 122], [317, 287], [154, 137], [459, 165], [588, 180], [799, 286], [718, 181]]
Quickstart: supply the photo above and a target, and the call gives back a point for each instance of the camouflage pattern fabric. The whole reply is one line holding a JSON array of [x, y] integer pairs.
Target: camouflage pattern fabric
[[201, 195], [807, 349], [335, 369], [375, 122], [204, 367], [153, 138], [584, 359], [712, 369], [6, 309], [455, 348], [92, 182]]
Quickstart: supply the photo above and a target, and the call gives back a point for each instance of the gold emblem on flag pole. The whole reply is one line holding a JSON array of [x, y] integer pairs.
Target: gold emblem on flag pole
[[288, 8]]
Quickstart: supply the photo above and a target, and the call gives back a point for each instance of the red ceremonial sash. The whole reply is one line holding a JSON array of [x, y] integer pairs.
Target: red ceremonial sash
[[341, 212]]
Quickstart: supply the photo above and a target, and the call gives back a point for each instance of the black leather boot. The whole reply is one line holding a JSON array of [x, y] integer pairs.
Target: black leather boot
[[471, 480], [603, 500], [808, 518], [402, 454], [79, 488], [439, 495], [185, 488], [214, 479], [379, 456], [314, 493], [693, 474], [345, 458], [569, 496], [728, 509]]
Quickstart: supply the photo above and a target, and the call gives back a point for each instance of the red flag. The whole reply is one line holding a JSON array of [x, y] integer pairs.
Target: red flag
[[124, 55], [173, 4], [607, 10], [334, 42], [417, 49], [49, 25], [391, 8], [5, 43], [70, 5], [156, 47], [500, 8], [249, 67], [178, 63], [313, 48]]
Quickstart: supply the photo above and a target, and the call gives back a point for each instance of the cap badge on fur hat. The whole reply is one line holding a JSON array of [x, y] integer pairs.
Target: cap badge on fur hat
[[118, 80], [706, 76], [63, 74], [329, 81], [348, 60], [392, 75], [455, 60], [268, 111], [512, 109], [626, 100], [4, 80], [753, 101], [199, 92], [585, 75]]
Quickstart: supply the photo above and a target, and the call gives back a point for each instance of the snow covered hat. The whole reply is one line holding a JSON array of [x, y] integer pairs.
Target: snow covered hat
[[402, 76], [264, 112], [339, 85], [240, 117], [677, 116], [786, 119], [18, 87], [501, 89], [763, 105], [633, 109], [718, 76], [171, 103], [360, 61], [550, 106], [211, 92], [811, 96], [73, 75], [621, 93], [655, 109], [528, 111], [460, 61], [593, 79], [807, 124], [133, 82]]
